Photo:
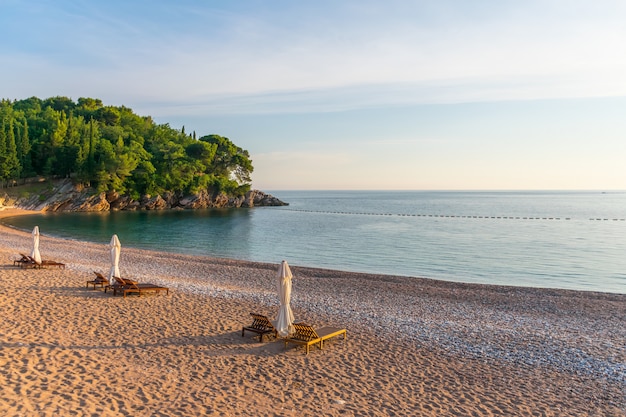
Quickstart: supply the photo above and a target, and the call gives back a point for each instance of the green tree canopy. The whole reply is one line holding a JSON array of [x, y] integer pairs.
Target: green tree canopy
[[112, 148]]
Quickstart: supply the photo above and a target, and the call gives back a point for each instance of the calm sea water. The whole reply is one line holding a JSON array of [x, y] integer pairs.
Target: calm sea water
[[572, 240]]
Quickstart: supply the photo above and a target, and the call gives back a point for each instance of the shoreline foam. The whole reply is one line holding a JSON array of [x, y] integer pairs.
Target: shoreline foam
[[415, 347]]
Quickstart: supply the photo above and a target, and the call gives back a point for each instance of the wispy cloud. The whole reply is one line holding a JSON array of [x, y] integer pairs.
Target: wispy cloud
[[371, 96], [252, 59]]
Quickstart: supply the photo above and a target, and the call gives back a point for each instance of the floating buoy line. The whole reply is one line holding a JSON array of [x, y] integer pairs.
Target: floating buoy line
[[447, 215]]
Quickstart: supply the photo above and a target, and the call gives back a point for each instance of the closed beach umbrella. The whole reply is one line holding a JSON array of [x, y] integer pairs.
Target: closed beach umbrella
[[116, 248], [35, 253], [284, 320]]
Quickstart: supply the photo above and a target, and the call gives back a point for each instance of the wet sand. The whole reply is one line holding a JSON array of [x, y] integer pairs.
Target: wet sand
[[415, 346]]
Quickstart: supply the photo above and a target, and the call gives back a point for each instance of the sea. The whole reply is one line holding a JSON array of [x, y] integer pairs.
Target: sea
[[547, 239]]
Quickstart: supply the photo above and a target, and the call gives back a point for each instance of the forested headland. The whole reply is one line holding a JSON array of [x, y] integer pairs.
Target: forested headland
[[110, 149]]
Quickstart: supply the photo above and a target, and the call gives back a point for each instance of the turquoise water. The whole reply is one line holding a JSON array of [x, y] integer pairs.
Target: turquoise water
[[572, 240]]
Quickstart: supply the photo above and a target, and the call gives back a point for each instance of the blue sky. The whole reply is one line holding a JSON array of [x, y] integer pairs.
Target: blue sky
[[353, 94]]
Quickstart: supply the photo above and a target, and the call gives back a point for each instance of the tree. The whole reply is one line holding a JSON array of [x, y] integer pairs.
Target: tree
[[230, 160], [108, 115], [12, 162], [60, 104], [9, 163], [112, 148], [92, 139], [23, 148], [3, 152], [90, 104]]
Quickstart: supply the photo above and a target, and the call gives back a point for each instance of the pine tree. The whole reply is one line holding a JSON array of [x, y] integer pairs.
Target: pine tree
[[3, 153], [12, 161], [23, 151], [91, 150]]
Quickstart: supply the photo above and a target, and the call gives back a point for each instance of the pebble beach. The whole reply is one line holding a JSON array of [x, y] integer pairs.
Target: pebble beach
[[414, 347]]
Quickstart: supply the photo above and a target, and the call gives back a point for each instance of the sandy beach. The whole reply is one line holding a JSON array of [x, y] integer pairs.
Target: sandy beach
[[415, 347]]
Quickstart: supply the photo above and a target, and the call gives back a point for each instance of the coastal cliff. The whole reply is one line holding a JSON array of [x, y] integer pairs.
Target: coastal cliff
[[66, 196]]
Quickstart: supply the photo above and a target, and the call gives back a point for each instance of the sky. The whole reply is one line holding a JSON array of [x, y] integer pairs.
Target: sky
[[351, 94]]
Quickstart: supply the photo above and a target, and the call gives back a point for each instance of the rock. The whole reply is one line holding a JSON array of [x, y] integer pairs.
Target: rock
[[65, 196], [154, 203], [196, 201], [122, 203], [221, 200], [111, 196], [259, 198], [170, 198], [7, 201], [237, 201], [97, 202]]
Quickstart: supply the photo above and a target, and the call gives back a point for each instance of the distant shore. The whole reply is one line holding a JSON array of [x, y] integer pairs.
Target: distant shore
[[12, 211], [415, 346]]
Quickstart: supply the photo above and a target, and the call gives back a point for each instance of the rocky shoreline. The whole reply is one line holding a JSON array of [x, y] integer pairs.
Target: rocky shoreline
[[66, 196]]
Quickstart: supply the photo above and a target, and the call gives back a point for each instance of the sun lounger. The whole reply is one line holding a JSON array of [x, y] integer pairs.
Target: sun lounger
[[117, 284], [100, 281], [127, 286], [26, 262], [23, 260], [306, 335], [46, 263], [261, 325], [31, 263]]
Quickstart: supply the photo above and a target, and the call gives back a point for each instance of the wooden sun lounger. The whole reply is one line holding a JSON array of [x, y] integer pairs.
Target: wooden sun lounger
[[23, 260], [31, 263], [118, 284], [46, 263], [143, 288], [306, 335], [26, 262], [127, 286], [261, 325], [100, 281]]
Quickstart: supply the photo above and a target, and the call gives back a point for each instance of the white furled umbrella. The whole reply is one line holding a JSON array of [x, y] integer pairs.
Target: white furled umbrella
[[35, 252], [284, 321], [116, 248]]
